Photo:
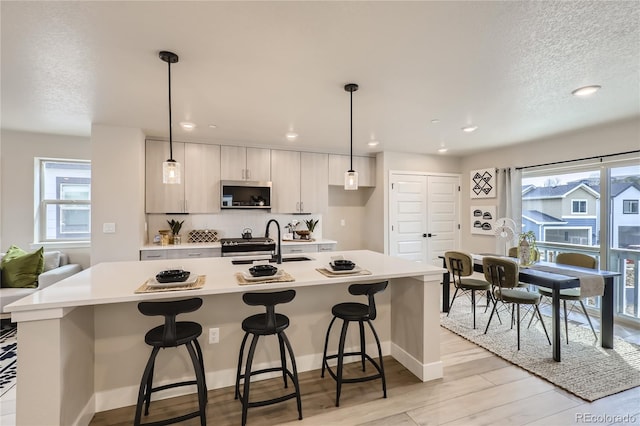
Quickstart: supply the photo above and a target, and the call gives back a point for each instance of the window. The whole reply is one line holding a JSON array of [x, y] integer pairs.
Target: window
[[64, 195], [578, 206], [629, 206]]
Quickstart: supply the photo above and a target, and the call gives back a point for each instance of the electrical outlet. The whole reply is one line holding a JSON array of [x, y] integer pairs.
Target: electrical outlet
[[214, 335]]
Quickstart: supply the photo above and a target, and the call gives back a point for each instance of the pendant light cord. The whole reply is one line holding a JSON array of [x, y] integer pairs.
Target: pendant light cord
[[170, 131], [351, 126]]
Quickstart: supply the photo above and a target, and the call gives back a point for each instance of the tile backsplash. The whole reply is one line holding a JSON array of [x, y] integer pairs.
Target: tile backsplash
[[230, 223]]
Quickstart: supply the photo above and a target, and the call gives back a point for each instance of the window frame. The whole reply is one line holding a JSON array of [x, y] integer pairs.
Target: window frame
[[42, 204], [579, 200], [631, 203]]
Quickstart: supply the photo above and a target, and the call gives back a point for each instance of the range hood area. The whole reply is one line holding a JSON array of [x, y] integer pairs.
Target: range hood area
[[242, 194]]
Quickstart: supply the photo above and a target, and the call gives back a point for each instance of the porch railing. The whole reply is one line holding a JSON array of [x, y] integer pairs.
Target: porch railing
[[625, 261]]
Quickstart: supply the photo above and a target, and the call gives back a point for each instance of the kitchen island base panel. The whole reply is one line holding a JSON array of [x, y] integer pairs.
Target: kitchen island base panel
[[55, 365]]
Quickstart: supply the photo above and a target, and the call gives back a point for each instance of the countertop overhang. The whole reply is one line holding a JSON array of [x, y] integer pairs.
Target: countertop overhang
[[116, 282]]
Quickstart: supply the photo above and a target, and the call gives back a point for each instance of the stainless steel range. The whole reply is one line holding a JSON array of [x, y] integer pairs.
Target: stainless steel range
[[247, 246]]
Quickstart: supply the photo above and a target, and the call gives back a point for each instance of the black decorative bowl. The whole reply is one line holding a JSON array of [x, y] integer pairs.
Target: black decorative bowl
[[172, 276], [262, 270], [342, 265]]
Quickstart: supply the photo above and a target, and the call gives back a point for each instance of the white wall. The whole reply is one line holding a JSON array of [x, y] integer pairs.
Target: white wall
[[117, 186], [613, 138], [17, 182]]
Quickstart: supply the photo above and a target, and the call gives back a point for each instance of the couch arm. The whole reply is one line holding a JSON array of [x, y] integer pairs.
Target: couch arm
[[45, 279]]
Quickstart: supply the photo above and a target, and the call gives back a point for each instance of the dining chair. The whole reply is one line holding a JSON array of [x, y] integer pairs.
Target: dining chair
[[572, 294], [502, 273], [513, 252], [460, 266]]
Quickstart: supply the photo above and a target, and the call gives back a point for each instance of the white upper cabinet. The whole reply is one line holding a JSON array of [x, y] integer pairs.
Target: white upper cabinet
[[199, 188], [241, 163], [202, 178], [365, 166], [300, 182]]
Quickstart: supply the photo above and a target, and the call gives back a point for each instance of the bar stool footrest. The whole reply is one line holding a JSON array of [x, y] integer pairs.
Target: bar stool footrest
[[356, 379], [173, 420]]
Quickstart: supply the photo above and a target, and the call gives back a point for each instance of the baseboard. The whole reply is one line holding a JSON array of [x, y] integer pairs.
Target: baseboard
[[87, 412], [424, 372]]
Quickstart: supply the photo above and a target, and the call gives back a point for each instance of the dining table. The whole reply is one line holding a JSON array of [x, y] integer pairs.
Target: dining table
[[556, 277]]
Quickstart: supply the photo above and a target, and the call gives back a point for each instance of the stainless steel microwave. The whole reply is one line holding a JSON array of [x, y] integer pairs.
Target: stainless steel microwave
[[244, 194]]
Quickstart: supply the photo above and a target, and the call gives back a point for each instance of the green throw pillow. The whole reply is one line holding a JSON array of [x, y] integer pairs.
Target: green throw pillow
[[21, 271]]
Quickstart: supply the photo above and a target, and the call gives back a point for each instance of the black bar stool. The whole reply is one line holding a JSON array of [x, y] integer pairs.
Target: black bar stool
[[361, 313], [266, 324], [170, 335]]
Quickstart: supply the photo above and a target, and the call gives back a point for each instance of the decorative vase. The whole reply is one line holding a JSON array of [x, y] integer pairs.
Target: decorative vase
[[527, 249], [177, 239]]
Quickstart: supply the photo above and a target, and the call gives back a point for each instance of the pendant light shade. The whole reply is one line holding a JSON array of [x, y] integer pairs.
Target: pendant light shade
[[351, 176], [170, 168]]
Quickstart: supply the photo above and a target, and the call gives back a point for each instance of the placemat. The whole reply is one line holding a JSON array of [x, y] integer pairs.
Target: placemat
[[330, 274], [284, 278], [146, 288]]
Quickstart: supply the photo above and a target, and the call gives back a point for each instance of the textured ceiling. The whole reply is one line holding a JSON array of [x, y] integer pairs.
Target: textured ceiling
[[259, 69]]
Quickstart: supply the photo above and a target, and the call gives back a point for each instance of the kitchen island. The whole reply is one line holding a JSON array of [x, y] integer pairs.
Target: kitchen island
[[82, 344]]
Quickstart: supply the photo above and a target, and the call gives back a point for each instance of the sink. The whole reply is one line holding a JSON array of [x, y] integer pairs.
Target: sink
[[296, 259], [250, 261]]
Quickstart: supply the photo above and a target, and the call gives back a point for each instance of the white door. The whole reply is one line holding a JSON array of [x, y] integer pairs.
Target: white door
[[443, 216], [408, 216], [423, 216]]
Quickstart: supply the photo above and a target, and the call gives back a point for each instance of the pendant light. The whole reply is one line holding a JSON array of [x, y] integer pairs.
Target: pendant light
[[170, 168], [351, 176]]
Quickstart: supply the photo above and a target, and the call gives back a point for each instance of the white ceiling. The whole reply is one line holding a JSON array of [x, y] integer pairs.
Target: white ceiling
[[259, 69]]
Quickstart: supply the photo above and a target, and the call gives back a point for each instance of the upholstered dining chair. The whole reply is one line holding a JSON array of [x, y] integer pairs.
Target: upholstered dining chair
[[572, 294], [513, 252], [502, 273], [460, 266]]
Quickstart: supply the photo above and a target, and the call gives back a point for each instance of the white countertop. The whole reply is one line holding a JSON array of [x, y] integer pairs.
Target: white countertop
[[187, 246], [115, 282]]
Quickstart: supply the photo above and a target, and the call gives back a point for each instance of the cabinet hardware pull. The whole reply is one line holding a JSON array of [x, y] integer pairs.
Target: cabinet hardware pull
[[195, 254], [153, 255]]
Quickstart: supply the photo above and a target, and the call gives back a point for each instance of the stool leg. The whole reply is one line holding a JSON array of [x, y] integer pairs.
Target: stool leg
[[244, 340], [296, 384], [202, 392], [204, 375], [384, 380], [149, 389], [247, 378], [362, 344], [343, 335], [326, 343], [283, 361], [143, 385]]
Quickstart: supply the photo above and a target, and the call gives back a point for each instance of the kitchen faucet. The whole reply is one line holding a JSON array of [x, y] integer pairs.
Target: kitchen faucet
[[278, 256]]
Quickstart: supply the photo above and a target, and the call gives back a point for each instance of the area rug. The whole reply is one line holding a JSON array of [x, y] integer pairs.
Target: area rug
[[587, 370], [8, 359]]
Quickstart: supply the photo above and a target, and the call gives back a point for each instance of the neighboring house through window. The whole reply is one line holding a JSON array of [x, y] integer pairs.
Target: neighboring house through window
[[64, 194]]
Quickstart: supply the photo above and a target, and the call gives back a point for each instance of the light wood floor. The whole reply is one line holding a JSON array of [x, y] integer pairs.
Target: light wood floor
[[478, 388]]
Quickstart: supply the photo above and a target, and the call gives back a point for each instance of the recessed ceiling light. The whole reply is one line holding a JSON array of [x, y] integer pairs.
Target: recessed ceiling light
[[212, 126], [442, 150], [373, 143], [435, 121], [291, 136], [586, 90], [469, 129], [187, 125]]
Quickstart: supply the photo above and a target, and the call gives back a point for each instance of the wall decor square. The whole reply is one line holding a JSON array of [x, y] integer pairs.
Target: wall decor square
[[483, 219], [483, 183]]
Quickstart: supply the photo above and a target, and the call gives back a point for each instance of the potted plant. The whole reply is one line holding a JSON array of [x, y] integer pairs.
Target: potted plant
[[175, 226], [527, 248], [311, 226]]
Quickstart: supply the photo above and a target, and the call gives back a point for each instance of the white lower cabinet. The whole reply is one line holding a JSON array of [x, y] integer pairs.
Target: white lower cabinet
[[179, 253]]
